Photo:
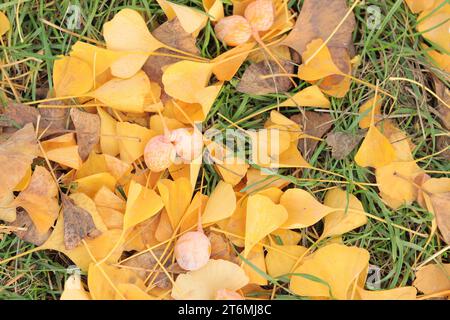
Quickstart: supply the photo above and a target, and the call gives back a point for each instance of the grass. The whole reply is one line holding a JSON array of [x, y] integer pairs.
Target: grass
[[392, 50]]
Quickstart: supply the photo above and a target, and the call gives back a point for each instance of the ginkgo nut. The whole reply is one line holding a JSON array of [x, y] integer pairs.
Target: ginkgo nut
[[192, 250], [159, 153], [260, 14], [233, 30]]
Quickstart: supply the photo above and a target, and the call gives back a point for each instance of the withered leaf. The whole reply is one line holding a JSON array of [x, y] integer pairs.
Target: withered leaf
[[342, 143], [443, 112], [172, 34], [145, 264], [87, 126], [78, 224], [53, 120], [318, 19], [16, 156], [30, 234], [253, 83], [441, 206], [314, 124]]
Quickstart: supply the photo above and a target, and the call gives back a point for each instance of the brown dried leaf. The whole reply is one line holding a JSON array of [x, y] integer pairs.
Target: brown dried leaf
[[253, 83], [318, 19], [342, 143], [87, 126], [78, 224], [172, 34], [31, 234], [433, 278], [314, 124], [443, 112], [145, 263], [53, 120], [221, 248], [16, 156]]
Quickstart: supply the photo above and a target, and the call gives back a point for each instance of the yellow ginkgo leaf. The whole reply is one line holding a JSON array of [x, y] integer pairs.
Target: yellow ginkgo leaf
[[399, 140], [417, 6], [272, 193], [127, 31], [214, 8], [7, 209], [108, 139], [99, 247], [157, 124], [74, 290], [330, 272], [260, 179], [133, 139], [221, 204], [433, 278], [91, 184], [236, 223], [232, 170], [286, 237], [440, 60], [206, 97], [281, 259], [104, 279], [263, 217], [142, 204], [341, 221], [228, 63], [203, 284], [108, 199], [183, 80], [189, 171], [256, 258], [5, 25], [196, 208], [291, 158], [39, 199], [98, 163], [403, 293], [72, 77], [366, 112], [434, 26], [375, 151], [100, 59], [397, 181], [83, 201], [320, 64], [63, 150], [303, 209], [176, 196], [191, 20], [130, 291], [125, 94], [25, 181], [309, 97]]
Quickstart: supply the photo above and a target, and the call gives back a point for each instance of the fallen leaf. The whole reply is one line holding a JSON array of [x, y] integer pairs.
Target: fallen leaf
[[7, 209], [16, 155], [73, 289], [343, 143], [318, 19], [87, 126], [375, 151], [128, 32], [341, 221], [403, 293], [252, 81], [302, 208], [330, 272], [366, 112], [63, 150], [4, 24], [434, 25], [78, 223], [287, 237], [30, 234], [142, 204], [214, 8], [280, 259], [133, 140], [433, 278], [108, 133], [103, 281], [204, 283], [72, 77], [228, 63], [417, 6], [256, 258], [172, 34], [263, 217], [39, 199], [90, 185], [221, 204], [176, 195], [308, 97], [314, 124]]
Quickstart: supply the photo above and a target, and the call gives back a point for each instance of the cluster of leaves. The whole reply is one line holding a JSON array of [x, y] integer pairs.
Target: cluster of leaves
[[80, 182]]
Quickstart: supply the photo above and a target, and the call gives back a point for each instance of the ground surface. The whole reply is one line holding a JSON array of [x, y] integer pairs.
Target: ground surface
[[391, 50]]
